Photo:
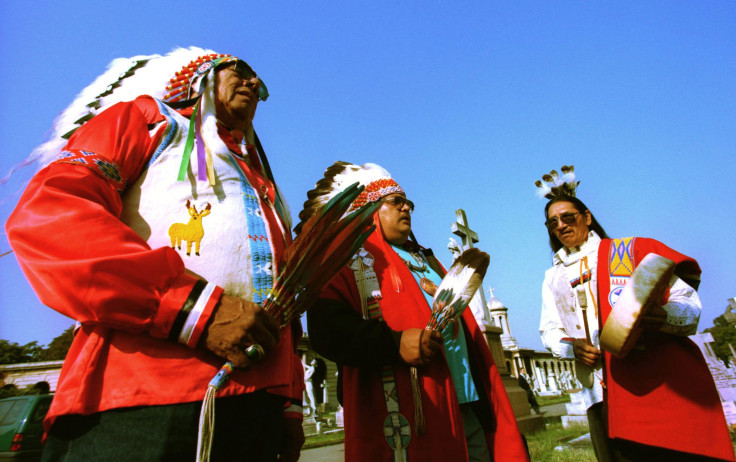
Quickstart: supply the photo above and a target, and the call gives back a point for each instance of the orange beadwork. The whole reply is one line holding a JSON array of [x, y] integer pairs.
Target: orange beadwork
[[180, 85], [376, 190]]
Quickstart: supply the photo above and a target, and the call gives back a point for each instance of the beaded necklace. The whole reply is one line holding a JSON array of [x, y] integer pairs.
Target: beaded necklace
[[425, 283]]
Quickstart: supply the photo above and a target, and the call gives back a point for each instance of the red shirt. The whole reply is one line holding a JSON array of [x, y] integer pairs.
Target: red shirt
[[662, 395], [85, 263], [403, 306]]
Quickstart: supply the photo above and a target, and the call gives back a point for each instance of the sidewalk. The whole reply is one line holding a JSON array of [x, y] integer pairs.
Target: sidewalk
[[334, 453]]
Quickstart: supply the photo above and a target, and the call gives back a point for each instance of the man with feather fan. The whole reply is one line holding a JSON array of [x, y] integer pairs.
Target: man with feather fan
[[158, 150], [411, 389]]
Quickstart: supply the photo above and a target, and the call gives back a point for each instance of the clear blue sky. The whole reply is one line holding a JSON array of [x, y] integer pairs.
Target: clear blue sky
[[466, 103]]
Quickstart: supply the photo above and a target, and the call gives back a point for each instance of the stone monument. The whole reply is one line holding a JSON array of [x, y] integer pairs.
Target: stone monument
[[492, 333], [723, 376], [724, 373], [577, 411]]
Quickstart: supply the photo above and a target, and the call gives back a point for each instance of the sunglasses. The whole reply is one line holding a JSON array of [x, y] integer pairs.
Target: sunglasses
[[567, 218], [399, 202], [247, 73]]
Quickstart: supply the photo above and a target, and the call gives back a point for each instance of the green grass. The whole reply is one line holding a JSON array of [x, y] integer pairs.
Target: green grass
[[327, 439], [334, 436], [542, 444], [547, 400]]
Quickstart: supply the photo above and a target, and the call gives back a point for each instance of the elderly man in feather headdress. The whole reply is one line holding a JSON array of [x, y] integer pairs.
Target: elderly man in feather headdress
[[160, 150], [649, 391], [409, 393]]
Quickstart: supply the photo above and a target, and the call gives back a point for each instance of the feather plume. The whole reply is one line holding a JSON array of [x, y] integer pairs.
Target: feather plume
[[329, 238], [319, 196], [458, 287], [568, 174], [555, 177], [553, 184], [327, 241], [336, 178], [124, 80], [542, 189]]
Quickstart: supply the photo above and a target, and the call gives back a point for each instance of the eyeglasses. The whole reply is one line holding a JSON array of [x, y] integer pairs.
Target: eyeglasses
[[567, 218], [247, 73], [399, 202]]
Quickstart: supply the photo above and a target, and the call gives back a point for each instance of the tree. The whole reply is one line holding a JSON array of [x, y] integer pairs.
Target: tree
[[12, 353], [59, 346], [724, 333]]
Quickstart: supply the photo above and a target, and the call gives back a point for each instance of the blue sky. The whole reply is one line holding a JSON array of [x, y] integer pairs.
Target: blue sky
[[466, 103]]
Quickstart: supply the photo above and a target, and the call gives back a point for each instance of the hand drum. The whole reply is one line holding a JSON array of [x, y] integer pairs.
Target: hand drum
[[640, 297]]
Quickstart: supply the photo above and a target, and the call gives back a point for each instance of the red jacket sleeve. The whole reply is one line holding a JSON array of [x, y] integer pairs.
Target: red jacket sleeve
[[73, 248]]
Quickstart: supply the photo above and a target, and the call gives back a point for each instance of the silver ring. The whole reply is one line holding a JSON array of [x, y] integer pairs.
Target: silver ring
[[255, 352]]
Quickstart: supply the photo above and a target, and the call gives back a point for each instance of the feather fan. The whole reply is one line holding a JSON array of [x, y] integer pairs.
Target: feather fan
[[452, 297], [324, 245], [458, 287]]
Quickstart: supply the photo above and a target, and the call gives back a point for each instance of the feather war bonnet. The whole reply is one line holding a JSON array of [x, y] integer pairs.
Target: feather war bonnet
[[171, 78]]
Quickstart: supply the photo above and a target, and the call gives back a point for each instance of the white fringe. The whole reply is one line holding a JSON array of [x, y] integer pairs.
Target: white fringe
[[206, 425]]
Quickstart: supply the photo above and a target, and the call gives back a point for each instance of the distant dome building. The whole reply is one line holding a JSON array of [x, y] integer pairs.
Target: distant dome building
[[499, 314], [549, 375]]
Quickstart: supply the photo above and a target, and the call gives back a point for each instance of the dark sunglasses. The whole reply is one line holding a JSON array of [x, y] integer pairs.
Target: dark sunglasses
[[399, 201], [567, 218], [247, 73]]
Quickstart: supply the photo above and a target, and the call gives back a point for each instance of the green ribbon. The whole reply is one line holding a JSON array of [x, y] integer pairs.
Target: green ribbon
[[189, 146]]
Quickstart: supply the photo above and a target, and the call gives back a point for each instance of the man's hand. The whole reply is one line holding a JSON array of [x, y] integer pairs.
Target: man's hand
[[585, 352], [293, 440], [419, 346], [235, 325]]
